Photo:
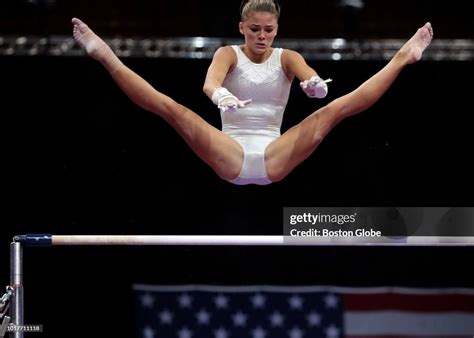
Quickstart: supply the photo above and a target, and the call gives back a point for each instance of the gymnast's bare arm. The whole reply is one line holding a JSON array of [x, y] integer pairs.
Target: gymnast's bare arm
[[295, 65], [223, 62]]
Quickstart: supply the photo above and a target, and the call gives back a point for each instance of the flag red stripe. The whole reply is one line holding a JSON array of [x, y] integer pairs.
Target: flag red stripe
[[410, 336], [414, 303]]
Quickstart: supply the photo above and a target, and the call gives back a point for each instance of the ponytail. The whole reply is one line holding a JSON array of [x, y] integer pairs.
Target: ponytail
[[250, 6]]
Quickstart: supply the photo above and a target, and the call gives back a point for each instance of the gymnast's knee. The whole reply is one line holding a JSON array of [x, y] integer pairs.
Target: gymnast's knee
[[331, 114], [172, 105], [340, 108], [175, 112]]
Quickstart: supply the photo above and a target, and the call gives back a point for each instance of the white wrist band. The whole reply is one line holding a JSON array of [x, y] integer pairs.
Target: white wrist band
[[221, 94]]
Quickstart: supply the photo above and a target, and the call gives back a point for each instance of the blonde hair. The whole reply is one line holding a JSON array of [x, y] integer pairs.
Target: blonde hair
[[251, 6]]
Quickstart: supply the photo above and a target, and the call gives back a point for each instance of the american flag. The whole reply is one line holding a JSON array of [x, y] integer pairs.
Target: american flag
[[199, 311]]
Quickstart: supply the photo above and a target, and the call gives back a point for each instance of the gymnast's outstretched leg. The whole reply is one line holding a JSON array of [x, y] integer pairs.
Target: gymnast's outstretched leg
[[215, 148], [299, 142]]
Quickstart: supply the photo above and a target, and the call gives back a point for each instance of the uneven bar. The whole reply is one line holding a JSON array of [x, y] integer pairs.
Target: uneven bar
[[166, 240], [219, 240]]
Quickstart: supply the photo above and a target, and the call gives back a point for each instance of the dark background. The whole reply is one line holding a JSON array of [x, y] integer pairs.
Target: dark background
[[299, 19], [79, 158]]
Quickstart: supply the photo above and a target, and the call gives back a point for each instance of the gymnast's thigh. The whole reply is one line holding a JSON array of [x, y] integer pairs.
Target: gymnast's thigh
[[296, 144]]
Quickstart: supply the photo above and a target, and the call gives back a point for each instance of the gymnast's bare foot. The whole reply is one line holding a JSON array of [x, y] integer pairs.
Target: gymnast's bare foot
[[414, 48], [94, 45]]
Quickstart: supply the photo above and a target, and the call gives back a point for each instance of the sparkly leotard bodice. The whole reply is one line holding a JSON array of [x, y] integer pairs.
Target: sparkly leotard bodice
[[268, 87], [258, 124]]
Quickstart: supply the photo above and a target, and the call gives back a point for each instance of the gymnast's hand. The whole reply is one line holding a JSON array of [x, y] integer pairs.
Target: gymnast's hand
[[315, 87], [231, 104], [226, 101]]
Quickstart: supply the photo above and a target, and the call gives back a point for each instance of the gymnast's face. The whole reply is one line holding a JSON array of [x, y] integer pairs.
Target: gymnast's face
[[259, 30]]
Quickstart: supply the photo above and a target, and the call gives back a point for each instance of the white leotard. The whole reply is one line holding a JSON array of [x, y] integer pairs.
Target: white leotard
[[258, 124]]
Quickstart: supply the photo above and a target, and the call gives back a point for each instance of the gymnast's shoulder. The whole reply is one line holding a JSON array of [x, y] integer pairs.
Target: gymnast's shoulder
[[289, 55]]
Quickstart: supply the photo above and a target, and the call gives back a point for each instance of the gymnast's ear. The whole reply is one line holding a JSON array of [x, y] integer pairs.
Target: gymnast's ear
[[241, 27]]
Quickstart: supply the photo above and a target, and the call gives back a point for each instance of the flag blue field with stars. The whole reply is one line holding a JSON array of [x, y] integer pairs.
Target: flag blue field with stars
[[302, 312], [226, 312]]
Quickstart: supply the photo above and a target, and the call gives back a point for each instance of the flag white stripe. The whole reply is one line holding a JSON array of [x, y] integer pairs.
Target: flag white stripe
[[408, 323]]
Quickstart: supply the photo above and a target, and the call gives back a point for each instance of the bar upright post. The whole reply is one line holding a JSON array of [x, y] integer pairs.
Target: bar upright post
[[16, 281]]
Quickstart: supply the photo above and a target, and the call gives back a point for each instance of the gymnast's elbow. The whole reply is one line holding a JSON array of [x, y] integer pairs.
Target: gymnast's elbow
[[208, 89]]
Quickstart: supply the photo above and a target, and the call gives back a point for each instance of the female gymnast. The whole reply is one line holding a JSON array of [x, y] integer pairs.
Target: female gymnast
[[250, 84]]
